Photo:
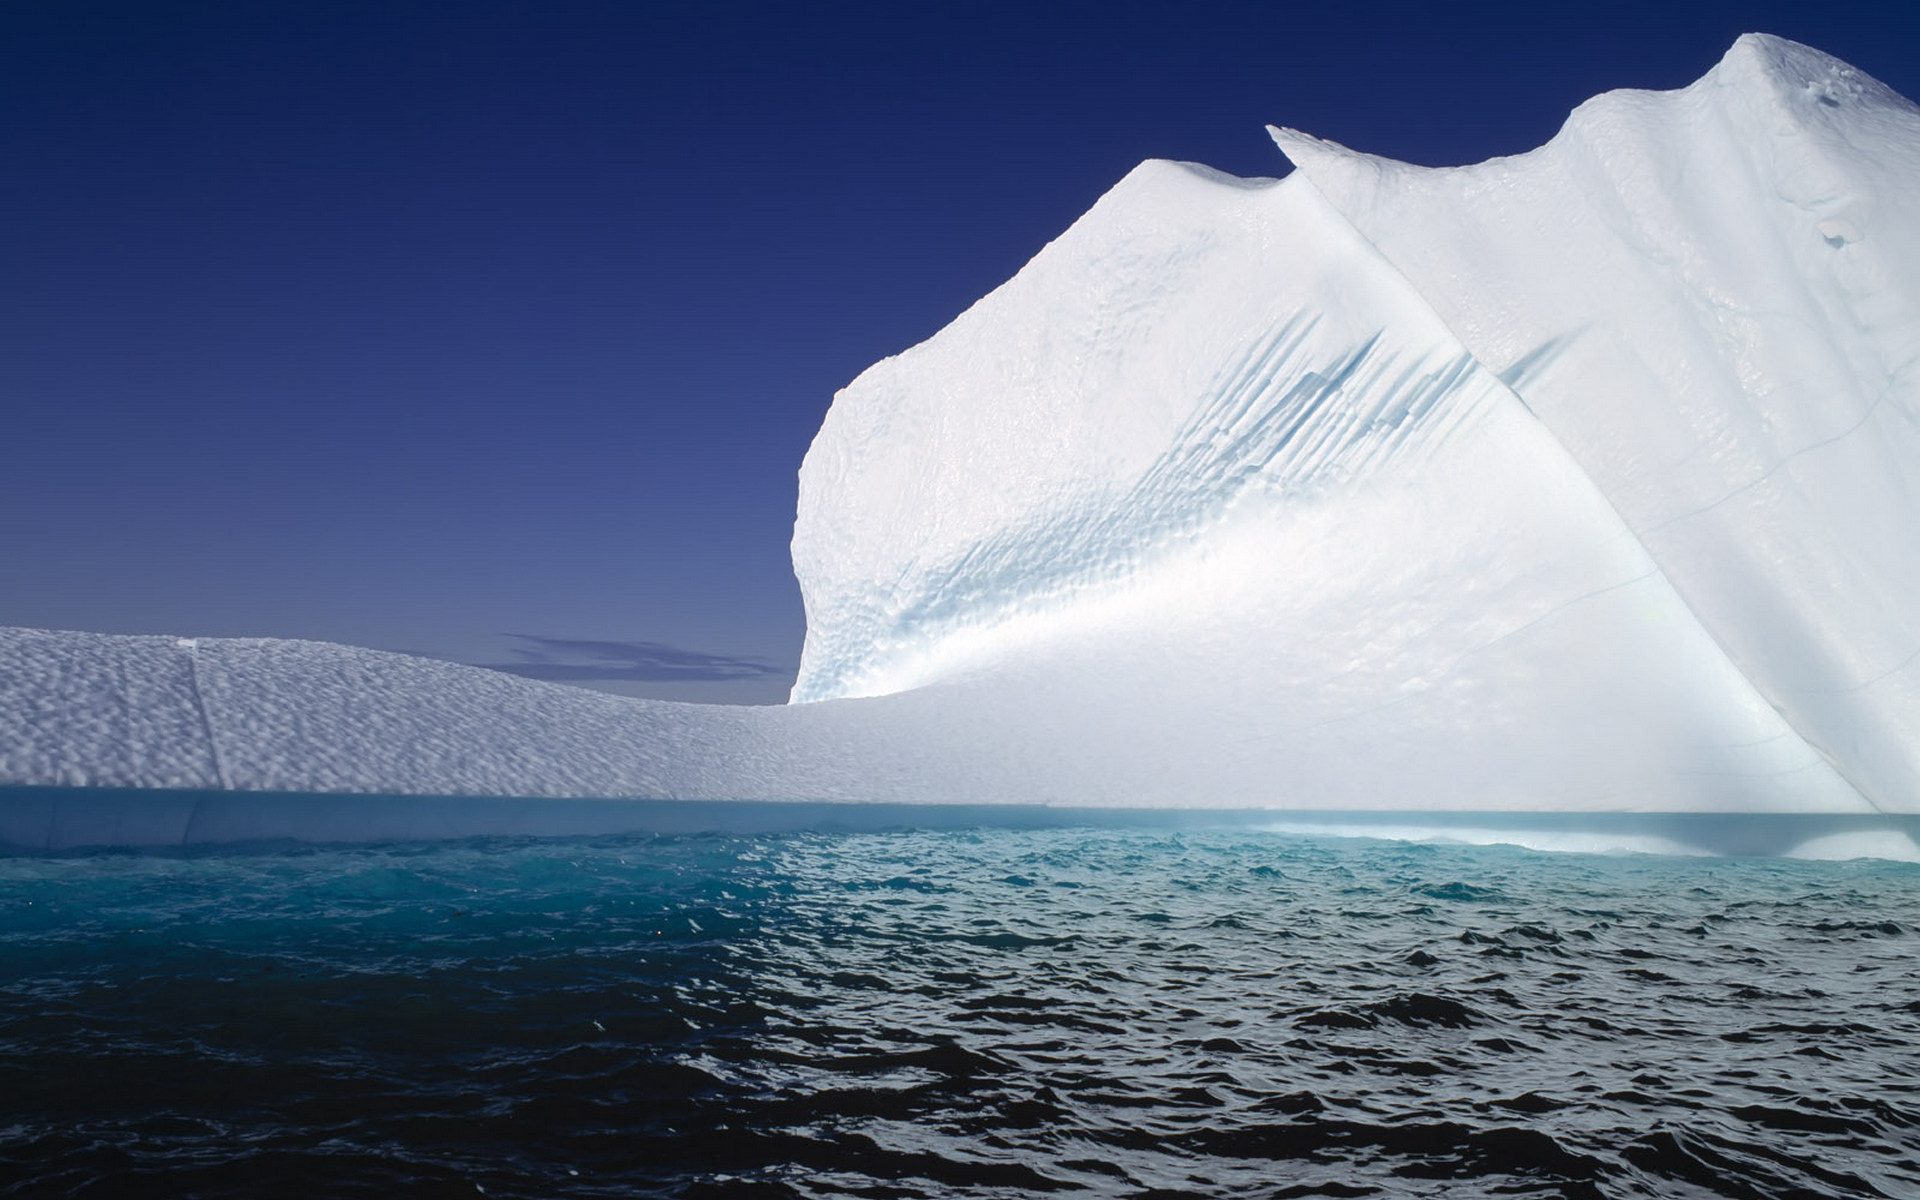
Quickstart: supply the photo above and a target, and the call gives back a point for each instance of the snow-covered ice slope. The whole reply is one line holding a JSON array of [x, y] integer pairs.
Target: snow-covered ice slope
[[1711, 298], [1581, 481], [1587, 476], [1211, 477]]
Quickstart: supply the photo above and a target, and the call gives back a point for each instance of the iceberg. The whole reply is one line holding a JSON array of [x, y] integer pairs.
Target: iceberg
[[1575, 484]]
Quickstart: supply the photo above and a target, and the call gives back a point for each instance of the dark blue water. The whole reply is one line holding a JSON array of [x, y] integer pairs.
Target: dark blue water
[[990, 1013]]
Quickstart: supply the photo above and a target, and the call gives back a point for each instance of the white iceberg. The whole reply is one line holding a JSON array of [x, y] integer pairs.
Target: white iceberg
[[1584, 481]]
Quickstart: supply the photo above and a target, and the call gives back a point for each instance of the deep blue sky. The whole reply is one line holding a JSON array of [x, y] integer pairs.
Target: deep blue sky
[[416, 326]]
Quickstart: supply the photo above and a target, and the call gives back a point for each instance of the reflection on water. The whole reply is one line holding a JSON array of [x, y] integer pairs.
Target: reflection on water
[[980, 1013]]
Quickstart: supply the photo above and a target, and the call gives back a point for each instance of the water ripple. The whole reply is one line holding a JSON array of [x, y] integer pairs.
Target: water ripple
[[987, 1013]]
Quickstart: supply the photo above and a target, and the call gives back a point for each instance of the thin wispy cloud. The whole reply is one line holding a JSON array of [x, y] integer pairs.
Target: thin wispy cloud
[[580, 660]]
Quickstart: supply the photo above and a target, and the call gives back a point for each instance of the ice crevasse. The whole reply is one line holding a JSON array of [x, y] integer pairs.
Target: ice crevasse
[[1582, 480]]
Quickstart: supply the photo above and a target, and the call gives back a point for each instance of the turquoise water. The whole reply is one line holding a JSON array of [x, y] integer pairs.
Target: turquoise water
[[961, 1012]]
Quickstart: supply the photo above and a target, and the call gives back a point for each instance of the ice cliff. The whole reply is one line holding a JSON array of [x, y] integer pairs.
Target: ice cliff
[[1586, 479], [1600, 460]]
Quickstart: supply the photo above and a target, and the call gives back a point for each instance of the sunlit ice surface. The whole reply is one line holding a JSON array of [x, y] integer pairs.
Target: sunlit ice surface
[[1127, 1012]]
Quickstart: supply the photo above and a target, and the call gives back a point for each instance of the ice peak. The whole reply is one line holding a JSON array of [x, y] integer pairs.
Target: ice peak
[[1304, 150], [1798, 74]]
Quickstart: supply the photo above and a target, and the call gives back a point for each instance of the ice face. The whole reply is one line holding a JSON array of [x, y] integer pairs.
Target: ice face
[[1580, 481], [1711, 299], [1617, 435], [1212, 477]]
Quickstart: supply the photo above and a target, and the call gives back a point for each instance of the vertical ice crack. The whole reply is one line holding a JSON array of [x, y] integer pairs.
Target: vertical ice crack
[[192, 647]]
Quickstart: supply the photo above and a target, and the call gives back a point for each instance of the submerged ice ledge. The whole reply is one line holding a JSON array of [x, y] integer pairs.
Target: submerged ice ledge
[[1584, 481], [56, 819]]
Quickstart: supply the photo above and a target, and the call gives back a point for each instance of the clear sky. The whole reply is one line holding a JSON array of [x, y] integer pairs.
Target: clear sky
[[497, 331]]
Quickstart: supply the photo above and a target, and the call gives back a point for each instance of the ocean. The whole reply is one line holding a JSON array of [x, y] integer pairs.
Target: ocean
[[964, 1012]]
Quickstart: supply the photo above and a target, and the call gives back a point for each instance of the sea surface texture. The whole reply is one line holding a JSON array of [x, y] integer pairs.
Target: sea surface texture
[[975, 1013]]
